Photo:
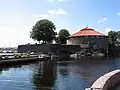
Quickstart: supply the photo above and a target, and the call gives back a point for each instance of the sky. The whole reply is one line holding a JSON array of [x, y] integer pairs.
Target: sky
[[17, 17]]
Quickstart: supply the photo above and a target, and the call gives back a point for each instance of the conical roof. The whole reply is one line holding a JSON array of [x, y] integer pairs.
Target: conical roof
[[87, 32]]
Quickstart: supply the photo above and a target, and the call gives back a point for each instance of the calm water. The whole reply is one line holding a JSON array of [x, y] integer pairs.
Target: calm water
[[65, 75]]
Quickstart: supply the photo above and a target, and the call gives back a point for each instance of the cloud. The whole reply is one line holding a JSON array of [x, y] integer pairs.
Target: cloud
[[52, 11], [15, 25], [59, 11], [107, 30], [102, 20], [111, 29], [118, 13], [14, 34]]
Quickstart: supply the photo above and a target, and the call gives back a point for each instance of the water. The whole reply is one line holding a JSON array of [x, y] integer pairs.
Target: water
[[64, 75]]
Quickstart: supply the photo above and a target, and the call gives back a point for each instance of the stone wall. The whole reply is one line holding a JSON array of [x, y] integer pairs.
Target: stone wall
[[95, 42], [33, 48], [45, 48]]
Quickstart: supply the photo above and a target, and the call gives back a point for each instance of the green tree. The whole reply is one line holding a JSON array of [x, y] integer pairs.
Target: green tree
[[43, 30], [118, 38], [62, 36], [113, 37]]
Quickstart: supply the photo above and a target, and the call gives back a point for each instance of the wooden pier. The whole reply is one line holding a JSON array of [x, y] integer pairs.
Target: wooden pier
[[22, 60]]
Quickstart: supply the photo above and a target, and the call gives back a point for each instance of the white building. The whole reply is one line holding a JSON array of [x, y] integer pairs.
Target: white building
[[88, 36]]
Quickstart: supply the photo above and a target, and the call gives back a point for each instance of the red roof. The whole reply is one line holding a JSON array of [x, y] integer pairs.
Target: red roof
[[87, 32]]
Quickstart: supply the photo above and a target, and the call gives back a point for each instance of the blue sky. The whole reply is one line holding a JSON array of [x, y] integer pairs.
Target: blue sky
[[18, 16]]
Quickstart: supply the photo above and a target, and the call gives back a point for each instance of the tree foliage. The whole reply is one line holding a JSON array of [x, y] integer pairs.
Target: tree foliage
[[43, 30], [62, 36], [114, 37]]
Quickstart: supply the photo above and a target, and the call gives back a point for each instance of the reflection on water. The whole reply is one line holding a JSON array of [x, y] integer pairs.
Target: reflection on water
[[63, 75], [44, 77]]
